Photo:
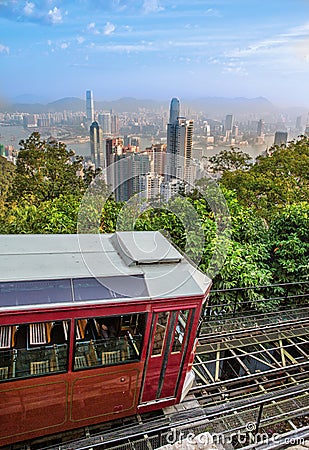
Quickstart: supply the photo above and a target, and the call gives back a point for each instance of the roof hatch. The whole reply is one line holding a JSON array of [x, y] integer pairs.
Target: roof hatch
[[137, 248]]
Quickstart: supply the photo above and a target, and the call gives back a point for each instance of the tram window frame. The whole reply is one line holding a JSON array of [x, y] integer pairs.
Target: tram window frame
[[118, 341], [31, 350], [180, 330], [160, 333]]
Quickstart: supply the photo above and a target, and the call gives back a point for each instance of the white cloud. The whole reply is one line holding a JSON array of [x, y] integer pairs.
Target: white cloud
[[4, 49], [109, 28], [128, 48], [152, 6], [274, 45], [92, 28], [212, 12], [29, 8], [54, 15], [80, 39], [49, 42], [64, 45]]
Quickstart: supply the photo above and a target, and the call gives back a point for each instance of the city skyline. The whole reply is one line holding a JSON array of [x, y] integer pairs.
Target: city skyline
[[155, 48]]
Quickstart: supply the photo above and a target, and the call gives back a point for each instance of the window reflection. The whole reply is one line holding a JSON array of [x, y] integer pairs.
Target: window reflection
[[180, 330], [33, 349], [159, 336], [102, 341]]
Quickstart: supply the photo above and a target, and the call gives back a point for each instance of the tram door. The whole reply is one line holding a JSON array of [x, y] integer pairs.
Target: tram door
[[167, 350]]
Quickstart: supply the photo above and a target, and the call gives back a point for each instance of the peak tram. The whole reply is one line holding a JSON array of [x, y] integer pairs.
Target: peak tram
[[93, 328]]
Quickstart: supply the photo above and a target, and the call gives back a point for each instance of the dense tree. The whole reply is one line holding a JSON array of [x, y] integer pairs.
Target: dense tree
[[289, 244], [274, 181], [58, 215], [7, 173], [230, 160], [45, 170]]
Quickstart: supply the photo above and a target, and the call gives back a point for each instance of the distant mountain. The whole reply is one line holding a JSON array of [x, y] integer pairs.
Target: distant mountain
[[239, 105], [211, 106], [68, 103]]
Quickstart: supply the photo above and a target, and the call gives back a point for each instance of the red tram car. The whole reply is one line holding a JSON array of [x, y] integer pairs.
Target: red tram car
[[92, 328]]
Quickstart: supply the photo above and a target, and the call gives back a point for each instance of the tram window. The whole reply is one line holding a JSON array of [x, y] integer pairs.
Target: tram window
[[160, 332], [33, 349], [108, 340], [180, 330]]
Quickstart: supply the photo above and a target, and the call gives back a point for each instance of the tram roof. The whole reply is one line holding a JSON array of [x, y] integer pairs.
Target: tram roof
[[89, 267]]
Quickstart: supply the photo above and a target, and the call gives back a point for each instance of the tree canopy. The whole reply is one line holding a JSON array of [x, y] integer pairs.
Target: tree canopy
[[230, 160], [274, 181], [45, 170]]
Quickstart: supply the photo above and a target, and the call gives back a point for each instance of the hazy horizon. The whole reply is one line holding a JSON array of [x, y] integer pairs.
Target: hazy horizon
[[155, 49]]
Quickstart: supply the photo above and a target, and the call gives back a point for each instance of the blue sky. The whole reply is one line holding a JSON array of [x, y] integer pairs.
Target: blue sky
[[156, 49]]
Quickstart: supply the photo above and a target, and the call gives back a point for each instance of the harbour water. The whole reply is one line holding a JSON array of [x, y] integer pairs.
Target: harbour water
[[11, 135]]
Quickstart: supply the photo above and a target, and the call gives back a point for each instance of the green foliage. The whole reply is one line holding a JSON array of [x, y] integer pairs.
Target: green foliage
[[58, 215], [45, 171], [274, 181], [289, 244], [230, 160], [7, 173]]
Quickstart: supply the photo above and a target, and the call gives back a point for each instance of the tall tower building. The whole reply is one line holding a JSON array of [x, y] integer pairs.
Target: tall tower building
[[174, 110], [179, 143], [96, 145], [281, 138], [260, 128], [229, 122], [89, 106], [106, 123]]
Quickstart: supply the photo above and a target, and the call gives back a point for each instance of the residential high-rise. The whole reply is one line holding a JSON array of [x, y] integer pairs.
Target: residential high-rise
[[229, 122], [260, 128], [106, 123], [96, 145], [281, 138], [179, 143], [89, 106]]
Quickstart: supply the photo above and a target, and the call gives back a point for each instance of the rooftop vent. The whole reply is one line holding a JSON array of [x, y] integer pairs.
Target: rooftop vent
[[139, 247]]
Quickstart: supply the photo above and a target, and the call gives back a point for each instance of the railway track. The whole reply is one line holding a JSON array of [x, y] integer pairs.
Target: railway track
[[275, 398]]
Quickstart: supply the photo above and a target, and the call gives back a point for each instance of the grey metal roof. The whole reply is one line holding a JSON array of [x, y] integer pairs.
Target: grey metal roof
[[127, 264]]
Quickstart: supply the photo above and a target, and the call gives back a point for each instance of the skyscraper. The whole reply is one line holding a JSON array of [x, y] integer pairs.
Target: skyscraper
[[229, 122], [96, 145], [174, 110], [179, 142], [281, 138], [260, 128], [89, 106]]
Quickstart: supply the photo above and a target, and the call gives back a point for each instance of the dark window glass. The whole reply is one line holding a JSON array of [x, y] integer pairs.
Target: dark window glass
[[21, 293], [159, 336], [33, 349], [180, 330], [110, 340], [109, 287]]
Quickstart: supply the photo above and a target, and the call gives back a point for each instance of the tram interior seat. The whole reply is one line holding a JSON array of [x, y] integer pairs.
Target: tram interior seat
[[4, 373], [111, 357], [39, 367]]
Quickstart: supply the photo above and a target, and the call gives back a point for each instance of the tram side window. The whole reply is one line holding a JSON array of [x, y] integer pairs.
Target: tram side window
[[180, 330], [109, 340], [33, 349], [160, 332]]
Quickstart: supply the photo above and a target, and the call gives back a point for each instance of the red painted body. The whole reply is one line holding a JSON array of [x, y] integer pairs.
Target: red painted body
[[46, 405]]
